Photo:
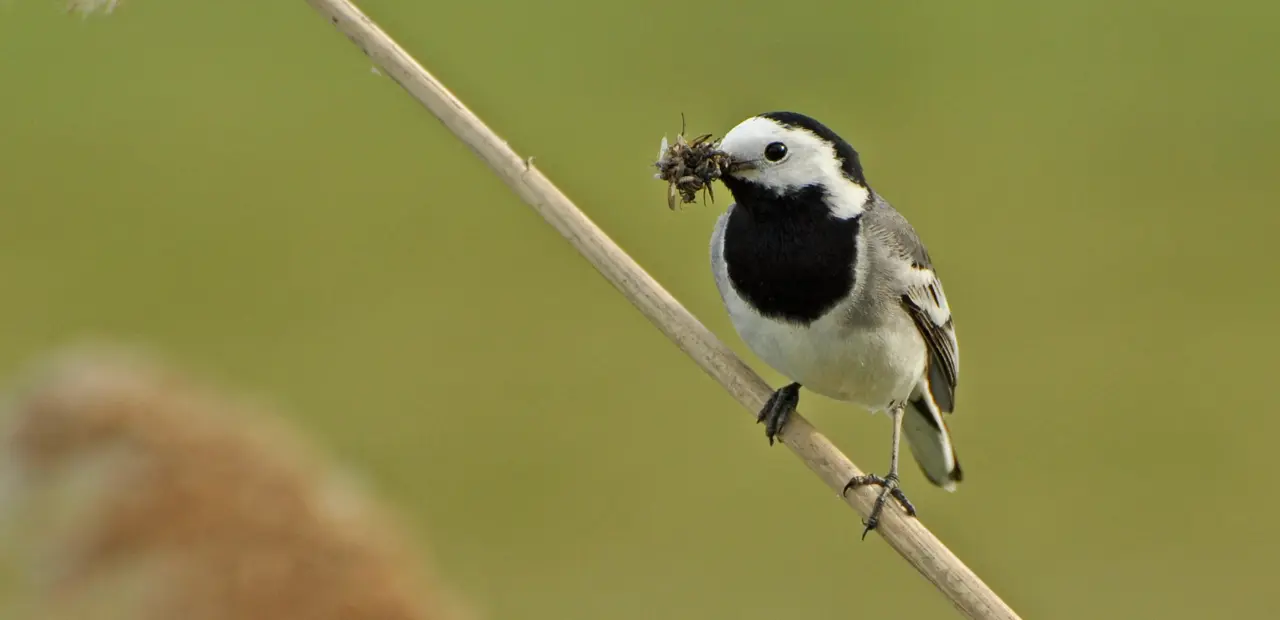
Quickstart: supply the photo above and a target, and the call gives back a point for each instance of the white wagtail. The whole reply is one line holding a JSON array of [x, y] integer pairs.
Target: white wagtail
[[830, 286]]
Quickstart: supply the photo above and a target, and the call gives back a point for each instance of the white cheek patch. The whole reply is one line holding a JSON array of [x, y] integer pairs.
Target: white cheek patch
[[847, 199]]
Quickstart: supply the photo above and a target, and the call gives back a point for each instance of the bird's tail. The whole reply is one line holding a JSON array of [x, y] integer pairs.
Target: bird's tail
[[930, 441]]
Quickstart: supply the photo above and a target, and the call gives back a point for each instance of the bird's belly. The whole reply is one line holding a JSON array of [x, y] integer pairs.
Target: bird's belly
[[871, 366]]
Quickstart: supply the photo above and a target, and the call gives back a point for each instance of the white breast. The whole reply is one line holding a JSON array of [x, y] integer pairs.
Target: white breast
[[871, 366]]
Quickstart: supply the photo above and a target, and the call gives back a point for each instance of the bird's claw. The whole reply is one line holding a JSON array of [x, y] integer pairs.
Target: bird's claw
[[889, 487], [778, 409]]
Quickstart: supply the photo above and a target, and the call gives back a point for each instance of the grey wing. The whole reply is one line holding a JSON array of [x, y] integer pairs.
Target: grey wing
[[923, 299], [718, 267]]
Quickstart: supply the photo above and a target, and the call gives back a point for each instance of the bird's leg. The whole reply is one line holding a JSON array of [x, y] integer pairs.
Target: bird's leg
[[889, 483], [775, 412]]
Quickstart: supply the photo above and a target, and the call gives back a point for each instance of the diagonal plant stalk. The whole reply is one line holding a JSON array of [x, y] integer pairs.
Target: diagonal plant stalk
[[905, 535]]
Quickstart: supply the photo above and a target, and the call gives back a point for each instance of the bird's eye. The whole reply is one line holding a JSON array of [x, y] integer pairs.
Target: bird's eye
[[775, 151]]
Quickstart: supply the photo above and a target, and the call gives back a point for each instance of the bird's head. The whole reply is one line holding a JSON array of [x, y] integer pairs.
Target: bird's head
[[783, 154]]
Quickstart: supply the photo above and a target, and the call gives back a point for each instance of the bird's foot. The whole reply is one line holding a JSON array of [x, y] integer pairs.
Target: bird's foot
[[888, 486], [778, 409]]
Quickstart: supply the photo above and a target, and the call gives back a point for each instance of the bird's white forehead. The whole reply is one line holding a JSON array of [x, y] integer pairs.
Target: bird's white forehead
[[748, 138]]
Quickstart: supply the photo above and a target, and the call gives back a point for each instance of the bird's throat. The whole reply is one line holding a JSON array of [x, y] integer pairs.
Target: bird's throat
[[787, 255]]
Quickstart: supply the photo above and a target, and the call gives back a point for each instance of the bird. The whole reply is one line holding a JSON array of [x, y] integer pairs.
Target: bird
[[831, 286]]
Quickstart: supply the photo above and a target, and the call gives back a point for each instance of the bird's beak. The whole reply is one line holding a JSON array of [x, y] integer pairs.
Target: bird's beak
[[737, 166]]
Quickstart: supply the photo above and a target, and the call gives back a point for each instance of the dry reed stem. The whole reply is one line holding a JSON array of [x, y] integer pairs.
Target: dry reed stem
[[908, 536], [220, 510]]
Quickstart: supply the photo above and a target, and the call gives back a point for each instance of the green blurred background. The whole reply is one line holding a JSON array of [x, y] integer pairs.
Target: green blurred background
[[229, 182]]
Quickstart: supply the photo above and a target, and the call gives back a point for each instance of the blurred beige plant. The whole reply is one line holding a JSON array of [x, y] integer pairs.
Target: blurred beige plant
[[159, 498], [87, 7]]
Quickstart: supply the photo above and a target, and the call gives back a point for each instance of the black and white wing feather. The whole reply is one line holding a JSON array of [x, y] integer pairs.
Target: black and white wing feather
[[924, 300], [928, 308]]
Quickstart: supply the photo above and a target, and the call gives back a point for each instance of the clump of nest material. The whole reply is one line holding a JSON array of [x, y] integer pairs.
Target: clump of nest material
[[689, 166]]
